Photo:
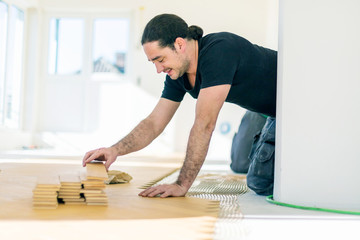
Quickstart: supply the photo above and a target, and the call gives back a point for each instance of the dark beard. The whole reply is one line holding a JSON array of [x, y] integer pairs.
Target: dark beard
[[184, 68]]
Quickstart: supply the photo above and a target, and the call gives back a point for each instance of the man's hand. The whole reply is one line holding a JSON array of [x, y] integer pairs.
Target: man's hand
[[165, 190], [103, 154]]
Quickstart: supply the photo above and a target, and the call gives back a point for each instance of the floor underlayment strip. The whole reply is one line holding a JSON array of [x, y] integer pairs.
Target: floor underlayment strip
[[224, 188]]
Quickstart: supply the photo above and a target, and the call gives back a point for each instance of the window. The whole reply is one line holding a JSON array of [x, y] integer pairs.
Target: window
[[11, 64], [3, 36], [66, 46], [110, 45], [106, 44]]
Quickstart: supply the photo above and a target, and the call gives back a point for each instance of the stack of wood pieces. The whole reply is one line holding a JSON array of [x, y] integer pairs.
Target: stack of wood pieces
[[70, 189], [46, 192], [94, 185]]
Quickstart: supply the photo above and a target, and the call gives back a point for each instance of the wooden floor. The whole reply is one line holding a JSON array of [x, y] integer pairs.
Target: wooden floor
[[127, 215], [246, 216]]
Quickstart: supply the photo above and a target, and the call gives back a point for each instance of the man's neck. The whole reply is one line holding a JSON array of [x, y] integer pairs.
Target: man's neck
[[193, 55]]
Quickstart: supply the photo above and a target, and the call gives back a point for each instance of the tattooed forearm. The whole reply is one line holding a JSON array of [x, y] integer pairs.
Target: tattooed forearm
[[197, 148]]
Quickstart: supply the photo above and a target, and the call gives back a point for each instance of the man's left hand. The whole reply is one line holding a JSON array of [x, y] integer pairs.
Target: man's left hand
[[165, 190]]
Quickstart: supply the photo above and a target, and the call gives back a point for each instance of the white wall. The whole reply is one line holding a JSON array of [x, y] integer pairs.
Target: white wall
[[255, 20], [317, 151]]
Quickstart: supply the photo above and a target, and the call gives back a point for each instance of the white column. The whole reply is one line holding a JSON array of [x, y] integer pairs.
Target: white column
[[318, 121]]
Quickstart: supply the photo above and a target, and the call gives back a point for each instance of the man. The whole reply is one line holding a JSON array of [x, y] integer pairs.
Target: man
[[215, 68]]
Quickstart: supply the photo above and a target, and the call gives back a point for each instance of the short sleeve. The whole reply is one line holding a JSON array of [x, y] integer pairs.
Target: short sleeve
[[173, 90], [218, 63]]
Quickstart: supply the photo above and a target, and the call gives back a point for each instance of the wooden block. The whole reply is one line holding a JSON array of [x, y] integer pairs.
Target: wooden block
[[72, 191], [101, 185], [92, 181], [94, 195], [91, 191], [75, 203], [35, 193], [44, 196], [66, 184], [45, 190], [96, 199], [77, 190], [93, 187], [96, 170], [73, 199], [69, 196], [73, 186], [44, 202]]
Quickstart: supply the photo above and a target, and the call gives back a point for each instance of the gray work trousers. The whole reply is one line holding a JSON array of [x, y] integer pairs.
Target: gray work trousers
[[251, 124], [253, 152]]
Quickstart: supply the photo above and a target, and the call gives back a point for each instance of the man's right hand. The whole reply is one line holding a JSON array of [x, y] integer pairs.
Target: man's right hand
[[108, 155]]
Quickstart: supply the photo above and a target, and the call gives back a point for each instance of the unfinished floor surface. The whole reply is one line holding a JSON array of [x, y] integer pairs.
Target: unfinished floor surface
[[130, 216]]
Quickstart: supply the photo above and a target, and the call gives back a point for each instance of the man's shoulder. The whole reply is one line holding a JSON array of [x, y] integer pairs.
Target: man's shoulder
[[223, 36], [223, 40]]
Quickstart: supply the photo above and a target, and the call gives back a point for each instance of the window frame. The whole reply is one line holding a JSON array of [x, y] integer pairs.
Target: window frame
[[2, 95], [17, 123], [87, 58], [56, 60]]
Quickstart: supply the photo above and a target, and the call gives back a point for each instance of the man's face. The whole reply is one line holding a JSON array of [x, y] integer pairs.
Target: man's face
[[172, 62]]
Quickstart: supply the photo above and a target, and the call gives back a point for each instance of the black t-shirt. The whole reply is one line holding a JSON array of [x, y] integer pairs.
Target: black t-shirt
[[225, 58]]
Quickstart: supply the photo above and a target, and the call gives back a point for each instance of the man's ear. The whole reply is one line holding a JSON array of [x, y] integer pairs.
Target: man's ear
[[180, 44]]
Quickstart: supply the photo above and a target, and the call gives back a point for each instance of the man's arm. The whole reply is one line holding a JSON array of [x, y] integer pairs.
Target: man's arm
[[208, 106], [141, 136], [149, 128]]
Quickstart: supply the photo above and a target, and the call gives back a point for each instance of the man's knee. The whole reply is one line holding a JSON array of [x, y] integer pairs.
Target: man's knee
[[240, 167], [251, 124]]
